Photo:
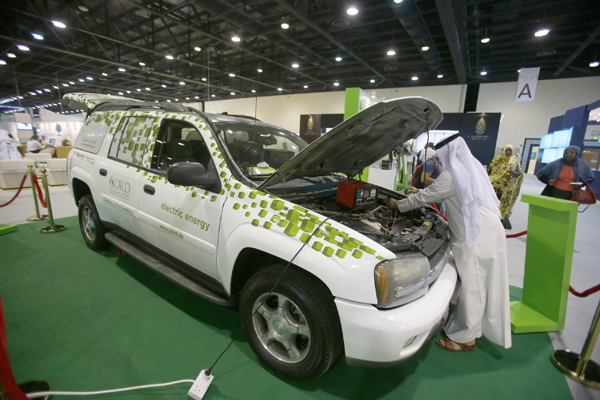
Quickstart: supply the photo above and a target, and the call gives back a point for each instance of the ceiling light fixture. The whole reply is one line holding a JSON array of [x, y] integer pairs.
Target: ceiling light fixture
[[182, 83], [148, 88], [519, 70], [425, 48], [55, 87], [176, 99], [295, 65], [285, 26], [253, 91], [398, 1], [214, 95], [65, 84], [232, 93], [440, 76], [2, 62], [168, 101], [22, 47], [128, 91], [104, 74], [542, 32], [59, 24], [372, 81], [120, 93], [139, 90], [196, 97], [415, 78], [83, 8], [391, 52], [483, 73], [352, 10], [305, 86], [81, 80], [232, 75], [485, 40], [37, 36], [204, 79], [198, 48], [89, 78], [280, 89], [187, 98], [259, 71], [142, 64], [235, 38], [164, 86], [72, 83], [594, 64], [336, 84], [11, 55], [169, 57], [122, 69], [338, 59]]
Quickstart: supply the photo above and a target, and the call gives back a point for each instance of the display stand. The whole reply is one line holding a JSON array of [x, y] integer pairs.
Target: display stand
[[550, 242]]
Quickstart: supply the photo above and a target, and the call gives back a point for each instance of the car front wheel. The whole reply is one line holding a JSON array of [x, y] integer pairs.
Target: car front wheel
[[91, 225], [293, 326]]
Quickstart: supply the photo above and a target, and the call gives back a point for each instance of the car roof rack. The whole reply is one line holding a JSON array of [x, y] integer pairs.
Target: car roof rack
[[127, 105]]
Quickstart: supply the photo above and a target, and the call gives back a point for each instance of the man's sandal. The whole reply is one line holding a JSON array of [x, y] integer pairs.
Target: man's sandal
[[450, 345]]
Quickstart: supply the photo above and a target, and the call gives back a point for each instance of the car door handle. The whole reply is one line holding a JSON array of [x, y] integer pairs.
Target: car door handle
[[149, 189], [103, 172]]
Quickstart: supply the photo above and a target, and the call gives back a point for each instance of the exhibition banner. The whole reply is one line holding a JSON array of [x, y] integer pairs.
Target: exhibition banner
[[480, 131], [528, 78], [310, 127]]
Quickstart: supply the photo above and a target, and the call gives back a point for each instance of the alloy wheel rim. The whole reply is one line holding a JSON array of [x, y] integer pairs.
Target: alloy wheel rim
[[88, 224], [281, 328]]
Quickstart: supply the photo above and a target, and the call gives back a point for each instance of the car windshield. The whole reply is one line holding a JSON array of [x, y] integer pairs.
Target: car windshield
[[259, 150]]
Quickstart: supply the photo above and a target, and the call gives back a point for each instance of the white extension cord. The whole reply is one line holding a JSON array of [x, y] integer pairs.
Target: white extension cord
[[44, 394]]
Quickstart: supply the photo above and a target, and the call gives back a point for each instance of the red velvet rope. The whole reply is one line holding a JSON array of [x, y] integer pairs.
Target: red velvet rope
[[514, 235], [9, 386], [17, 194], [40, 195]]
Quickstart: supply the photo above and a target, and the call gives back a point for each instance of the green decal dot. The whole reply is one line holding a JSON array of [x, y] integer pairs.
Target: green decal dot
[[241, 195], [340, 253], [262, 213], [264, 204], [282, 223], [302, 210], [193, 194], [222, 191], [247, 214], [275, 219], [236, 206], [304, 237], [232, 194], [277, 205], [213, 198], [245, 206], [317, 246], [267, 225], [252, 195], [255, 222], [320, 233], [357, 254], [253, 205], [307, 225], [381, 258], [367, 249], [291, 230], [237, 186], [328, 251], [293, 215], [223, 174]]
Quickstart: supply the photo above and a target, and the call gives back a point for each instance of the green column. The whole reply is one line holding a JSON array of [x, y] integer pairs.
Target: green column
[[550, 241]]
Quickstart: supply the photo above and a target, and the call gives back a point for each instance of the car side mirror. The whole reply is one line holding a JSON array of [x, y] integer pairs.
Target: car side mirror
[[192, 174]]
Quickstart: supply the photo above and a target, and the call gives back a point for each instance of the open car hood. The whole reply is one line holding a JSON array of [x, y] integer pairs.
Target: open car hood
[[87, 101], [361, 140]]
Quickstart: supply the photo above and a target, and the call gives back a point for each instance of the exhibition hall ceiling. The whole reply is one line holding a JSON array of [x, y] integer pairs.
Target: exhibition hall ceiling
[[197, 50]]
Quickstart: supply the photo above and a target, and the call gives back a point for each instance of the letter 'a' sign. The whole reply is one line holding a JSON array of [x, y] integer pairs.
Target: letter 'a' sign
[[528, 78]]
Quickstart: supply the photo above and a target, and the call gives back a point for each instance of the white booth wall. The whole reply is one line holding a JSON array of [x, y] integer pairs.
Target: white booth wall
[[531, 120]]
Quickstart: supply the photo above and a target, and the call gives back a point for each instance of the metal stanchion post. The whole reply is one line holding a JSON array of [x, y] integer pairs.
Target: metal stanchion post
[[37, 216], [580, 367], [52, 228]]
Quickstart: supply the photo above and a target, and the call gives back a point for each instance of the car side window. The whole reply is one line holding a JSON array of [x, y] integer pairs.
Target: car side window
[[178, 141], [131, 135]]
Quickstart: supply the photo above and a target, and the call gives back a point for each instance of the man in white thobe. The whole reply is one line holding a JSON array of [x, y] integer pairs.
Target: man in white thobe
[[478, 243]]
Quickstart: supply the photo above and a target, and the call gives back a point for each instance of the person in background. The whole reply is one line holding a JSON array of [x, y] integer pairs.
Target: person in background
[[432, 168], [559, 174], [34, 145], [8, 150], [421, 156], [506, 177], [478, 242]]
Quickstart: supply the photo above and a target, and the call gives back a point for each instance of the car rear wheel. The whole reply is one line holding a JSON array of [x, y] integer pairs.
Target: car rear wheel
[[293, 327], [91, 226]]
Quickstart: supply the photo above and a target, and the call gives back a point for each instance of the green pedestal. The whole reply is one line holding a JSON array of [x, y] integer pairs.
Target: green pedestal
[[550, 241], [4, 229]]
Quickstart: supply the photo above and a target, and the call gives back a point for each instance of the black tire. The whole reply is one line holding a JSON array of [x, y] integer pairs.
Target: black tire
[[299, 301], [90, 224]]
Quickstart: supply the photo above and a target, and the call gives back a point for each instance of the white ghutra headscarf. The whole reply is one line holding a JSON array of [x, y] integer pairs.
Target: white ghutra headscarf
[[472, 183]]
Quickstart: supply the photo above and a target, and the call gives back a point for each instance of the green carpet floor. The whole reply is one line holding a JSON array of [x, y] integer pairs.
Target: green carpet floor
[[90, 321]]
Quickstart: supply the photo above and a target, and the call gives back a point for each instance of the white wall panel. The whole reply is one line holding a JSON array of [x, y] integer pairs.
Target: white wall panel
[[531, 120]]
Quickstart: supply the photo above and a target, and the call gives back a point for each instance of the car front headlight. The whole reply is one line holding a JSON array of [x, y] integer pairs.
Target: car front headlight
[[399, 280]]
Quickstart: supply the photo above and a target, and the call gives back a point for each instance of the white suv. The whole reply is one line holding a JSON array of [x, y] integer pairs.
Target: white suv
[[246, 214]]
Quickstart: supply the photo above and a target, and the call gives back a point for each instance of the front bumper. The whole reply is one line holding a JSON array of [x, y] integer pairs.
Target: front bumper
[[377, 337]]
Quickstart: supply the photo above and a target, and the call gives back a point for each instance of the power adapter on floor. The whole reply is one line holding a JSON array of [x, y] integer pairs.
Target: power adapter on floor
[[200, 386]]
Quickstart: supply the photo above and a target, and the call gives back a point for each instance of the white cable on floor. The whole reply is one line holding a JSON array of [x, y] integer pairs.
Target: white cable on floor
[[44, 394]]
